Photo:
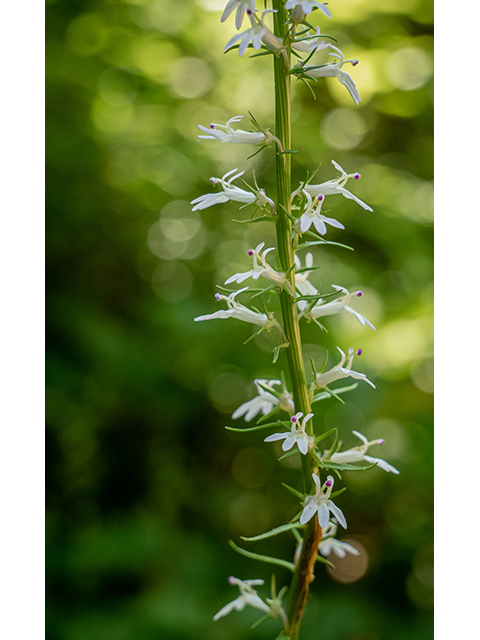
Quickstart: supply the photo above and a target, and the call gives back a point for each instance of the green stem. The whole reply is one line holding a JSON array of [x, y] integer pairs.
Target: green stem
[[303, 575]]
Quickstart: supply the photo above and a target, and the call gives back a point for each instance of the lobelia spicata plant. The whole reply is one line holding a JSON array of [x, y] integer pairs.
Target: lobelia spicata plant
[[287, 412]]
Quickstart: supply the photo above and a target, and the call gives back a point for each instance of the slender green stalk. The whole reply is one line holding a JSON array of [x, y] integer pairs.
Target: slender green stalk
[[303, 575]]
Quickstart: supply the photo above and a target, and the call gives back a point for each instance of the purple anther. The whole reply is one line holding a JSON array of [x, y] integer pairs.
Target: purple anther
[[359, 294], [293, 418], [356, 176], [381, 441], [250, 252], [212, 126], [231, 580], [354, 63], [328, 483], [217, 296], [212, 180], [320, 197], [249, 12]]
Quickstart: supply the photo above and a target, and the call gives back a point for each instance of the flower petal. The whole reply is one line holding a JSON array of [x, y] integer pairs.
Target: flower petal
[[338, 513], [308, 512]]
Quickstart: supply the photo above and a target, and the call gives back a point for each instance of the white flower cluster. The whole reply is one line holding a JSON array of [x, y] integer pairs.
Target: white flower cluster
[[296, 434]]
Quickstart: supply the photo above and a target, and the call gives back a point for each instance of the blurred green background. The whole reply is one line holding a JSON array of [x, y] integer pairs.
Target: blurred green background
[[145, 486]]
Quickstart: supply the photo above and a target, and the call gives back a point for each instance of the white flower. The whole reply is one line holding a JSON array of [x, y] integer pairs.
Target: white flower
[[312, 214], [307, 6], [334, 70], [341, 370], [321, 504], [231, 192], [248, 596], [241, 6], [260, 268], [257, 34], [238, 311], [337, 185], [297, 435], [358, 454], [264, 402], [302, 283], [328, 544], [225, 133], [340, 305]]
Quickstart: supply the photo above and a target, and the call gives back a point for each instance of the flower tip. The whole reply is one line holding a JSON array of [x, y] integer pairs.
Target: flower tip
[[231, 580], [212, 180], [381, 441], [250, 252], [359, 352], [359, 294], [217, 296], [320, 197], [328, 483], [354, 63], [293, 418], [212, 126], [249, 12], [356, 176]]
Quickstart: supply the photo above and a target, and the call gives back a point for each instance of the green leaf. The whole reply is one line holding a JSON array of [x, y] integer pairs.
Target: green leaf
[[325, 561], [289, 454], [325, 435], [261, 558], [264, 146], [296, 535], [334, 395], [257, 333], [305, 245], [263, 291], [276, 351], [245, 429], [319, 324], [337, 493], [296, 493], [324, 394], [265, 618], [339, 466], [273, 532], [267, 416], [259, 219]]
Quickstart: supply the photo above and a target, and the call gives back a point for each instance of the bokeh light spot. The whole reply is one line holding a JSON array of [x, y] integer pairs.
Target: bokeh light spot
[[87, 34], [190, 78], [343, 128], [250, 514], [408, 68], [226, 390], [350, 568]]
